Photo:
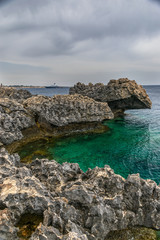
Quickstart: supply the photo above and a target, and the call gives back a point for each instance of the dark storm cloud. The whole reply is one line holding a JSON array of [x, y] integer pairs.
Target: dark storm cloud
[[67, 23], [52, 33], [158, 1], [4, 1]]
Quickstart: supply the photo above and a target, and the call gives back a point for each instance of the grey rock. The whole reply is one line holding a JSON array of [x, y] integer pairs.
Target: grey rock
[[13, 93], [13, 119], [61, 110], [119, 94]]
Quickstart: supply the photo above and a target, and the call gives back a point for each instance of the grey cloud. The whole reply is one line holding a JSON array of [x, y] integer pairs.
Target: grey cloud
[[158, 1], [4, 1], [87, 30], [103, 21], [10, 67]]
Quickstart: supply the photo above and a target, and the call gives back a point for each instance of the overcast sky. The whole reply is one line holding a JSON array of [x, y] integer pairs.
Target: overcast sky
[[65, 41]]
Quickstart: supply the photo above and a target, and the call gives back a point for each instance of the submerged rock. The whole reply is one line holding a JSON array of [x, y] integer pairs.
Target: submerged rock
[[72, 204], [61, 110], [13, 118], [119, 94], [13, 93]]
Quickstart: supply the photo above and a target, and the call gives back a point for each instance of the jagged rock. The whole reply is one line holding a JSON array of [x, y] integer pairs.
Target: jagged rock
[[13, 118], [119, 94], [13, 93], [7, 228], [74, 204], [61, 110]]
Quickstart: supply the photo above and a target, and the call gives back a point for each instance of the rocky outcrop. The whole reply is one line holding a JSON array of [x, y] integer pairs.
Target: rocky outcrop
[[46, 113], [13, 93], [71, 204], [119, 94], [61, 110], [13, 118]]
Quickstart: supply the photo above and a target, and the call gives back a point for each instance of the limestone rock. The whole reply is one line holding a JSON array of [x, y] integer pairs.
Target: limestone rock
[[119, 94], [13, 93], [13, 118], [61, 110], [73, 204]]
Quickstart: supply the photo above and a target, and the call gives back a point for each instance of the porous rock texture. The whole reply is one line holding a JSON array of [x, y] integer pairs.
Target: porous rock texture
[[75, 205], [13, 118], [61, 110], [13, 93], [120, 94]]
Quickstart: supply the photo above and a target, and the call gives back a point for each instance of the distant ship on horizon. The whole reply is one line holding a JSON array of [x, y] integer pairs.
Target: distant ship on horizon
[[53, 86]]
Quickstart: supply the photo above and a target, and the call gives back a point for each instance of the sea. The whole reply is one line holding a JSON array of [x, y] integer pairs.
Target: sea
[[132, 144]]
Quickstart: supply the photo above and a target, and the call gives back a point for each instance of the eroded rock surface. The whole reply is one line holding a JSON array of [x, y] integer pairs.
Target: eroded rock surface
[[61, 110], [74, 204], [43, 114], [119, 94], [13, 93], [13, 118]]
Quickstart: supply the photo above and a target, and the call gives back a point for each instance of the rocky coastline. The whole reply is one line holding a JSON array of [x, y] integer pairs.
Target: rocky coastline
[[121, 94], [46, 200]]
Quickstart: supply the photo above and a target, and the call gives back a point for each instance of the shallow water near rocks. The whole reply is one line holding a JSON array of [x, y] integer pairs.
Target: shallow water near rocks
[[132, 145]]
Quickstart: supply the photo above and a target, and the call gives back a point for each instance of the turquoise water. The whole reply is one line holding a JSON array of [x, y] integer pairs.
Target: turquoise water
[[128, 148], [132, 145]]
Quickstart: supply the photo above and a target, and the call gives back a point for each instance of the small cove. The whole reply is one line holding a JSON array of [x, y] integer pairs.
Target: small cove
[[132, 145]]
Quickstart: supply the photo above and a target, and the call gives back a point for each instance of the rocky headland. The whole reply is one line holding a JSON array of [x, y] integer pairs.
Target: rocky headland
[[46, 200], [121, 94], [45, 114], [23, 115]]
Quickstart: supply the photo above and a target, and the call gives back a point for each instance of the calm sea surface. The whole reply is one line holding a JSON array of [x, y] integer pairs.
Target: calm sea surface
[[131, 145], [48, 91]]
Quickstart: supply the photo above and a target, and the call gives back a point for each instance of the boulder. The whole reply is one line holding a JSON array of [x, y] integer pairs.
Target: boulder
[[61, 110], [46, 200], [120, 94]]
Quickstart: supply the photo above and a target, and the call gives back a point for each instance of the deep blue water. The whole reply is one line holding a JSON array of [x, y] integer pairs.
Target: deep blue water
[[132, 145]]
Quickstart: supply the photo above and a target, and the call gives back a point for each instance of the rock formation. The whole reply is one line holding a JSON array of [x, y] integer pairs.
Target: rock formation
[[13, 93], [48, 112], [20, 111], [70, 204], [61, 110], [13, 118], [46, 200], [119, 94]]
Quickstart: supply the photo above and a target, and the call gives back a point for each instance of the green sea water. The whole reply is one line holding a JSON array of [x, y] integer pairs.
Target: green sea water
[[132, 145]]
